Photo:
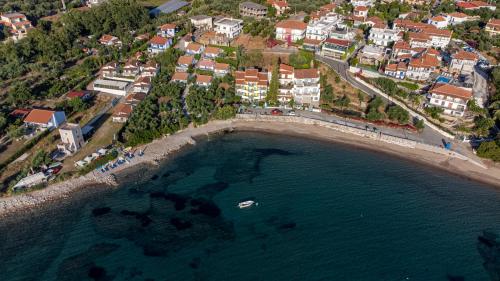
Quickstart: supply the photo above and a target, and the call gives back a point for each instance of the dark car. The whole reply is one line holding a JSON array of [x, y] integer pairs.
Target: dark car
[[276, 112]]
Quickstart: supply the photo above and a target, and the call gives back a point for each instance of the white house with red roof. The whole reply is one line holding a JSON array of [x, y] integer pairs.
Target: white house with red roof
[[181, 77], [493, 27], [110, 40], [438, 21], [458, 18], [42, 118], [475, 5], [159, 44], [206, 64], [167, 30], [361, 11], [281, 6], [463, 62], [194, 49], [18, 25], [221, 69], [291, 30], [452, 99], [420, 68], [203, 80], [142, 85], [396, 70]]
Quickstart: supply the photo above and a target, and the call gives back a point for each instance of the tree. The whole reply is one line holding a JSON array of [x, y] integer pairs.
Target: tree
[[291, 103], [396, 112], [419, 124], [272, 95], [342, 102], [374, 109], [361, 98], [41, 158], [19, 94], [482, 125], [490, 149]]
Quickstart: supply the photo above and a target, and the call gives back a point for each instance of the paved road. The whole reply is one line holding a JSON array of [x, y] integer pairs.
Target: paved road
[[480, 88], [428, 135], [401, 133]]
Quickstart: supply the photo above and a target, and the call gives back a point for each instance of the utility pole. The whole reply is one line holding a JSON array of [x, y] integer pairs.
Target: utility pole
[[63, 5]]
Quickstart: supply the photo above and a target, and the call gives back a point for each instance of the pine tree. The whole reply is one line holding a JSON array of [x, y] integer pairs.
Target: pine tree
[[272, 95]]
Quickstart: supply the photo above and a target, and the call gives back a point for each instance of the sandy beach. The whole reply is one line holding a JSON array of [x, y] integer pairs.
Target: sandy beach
[[165, 148]]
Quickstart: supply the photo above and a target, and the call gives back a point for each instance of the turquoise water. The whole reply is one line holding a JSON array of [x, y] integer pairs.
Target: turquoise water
[[326, 212]]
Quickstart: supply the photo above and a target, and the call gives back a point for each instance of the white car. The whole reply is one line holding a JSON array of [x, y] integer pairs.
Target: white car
[[291, 113]]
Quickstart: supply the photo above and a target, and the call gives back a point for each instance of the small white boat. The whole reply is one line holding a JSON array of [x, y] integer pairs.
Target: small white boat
[[246, 204]]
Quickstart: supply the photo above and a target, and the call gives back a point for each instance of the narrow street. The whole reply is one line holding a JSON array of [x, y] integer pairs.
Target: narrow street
[[428, 135]]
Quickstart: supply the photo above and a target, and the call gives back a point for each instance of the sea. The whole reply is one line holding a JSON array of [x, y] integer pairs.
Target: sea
[[325, 211]]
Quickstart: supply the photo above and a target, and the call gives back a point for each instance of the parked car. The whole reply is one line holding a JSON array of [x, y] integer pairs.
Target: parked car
[[291, 113], [276, 112]]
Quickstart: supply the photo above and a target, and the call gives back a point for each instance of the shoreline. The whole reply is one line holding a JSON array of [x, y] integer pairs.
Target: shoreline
[[163, 149]]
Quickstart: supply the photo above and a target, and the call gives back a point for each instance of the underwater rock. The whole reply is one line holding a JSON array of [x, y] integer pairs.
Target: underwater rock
[[101, 211]]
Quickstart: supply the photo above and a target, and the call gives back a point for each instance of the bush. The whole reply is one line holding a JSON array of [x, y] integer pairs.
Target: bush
[[409, 86], [398, 113], [490, 149], [301, 60]]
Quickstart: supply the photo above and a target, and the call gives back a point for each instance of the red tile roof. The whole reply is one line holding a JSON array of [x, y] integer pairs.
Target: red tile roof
[[20, 112], [286, 69], [426, 61], [39, 116], [463, 55], [123, 110], [205, 79], [438, 18], [306, 73], [292, 24], [168, 26], [361, 8], [180, 76], [195, 47], [212, 50], [452, 91], [458, 15], [340, 42], [185, 60], [221, 66], [158, 40], [76, 94]]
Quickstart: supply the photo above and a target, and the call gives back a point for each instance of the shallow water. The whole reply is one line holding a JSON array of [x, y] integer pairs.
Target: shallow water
[[326, 212]]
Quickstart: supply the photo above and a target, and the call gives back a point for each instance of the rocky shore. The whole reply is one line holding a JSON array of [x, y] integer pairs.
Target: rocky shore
[[161, 149]]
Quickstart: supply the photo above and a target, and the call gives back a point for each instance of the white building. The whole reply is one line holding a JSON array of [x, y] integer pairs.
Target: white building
[[202, 22], [119, 88], [366, 3], [453, 100], [458, 18], [301, 85], [384, 36], [306, 87], [71, 137], [291, 30], [42, 118], [421, 68], [320, 29], [231, 28], [251, 85], [463, 62], [438, 21]]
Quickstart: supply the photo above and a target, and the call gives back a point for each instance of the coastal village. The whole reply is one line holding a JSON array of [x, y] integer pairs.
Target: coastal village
[[85, 90]]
